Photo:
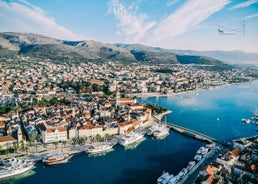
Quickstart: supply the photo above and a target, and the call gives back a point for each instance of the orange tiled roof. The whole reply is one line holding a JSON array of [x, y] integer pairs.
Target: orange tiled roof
[[130, 122], [235, 152], [6, 138]]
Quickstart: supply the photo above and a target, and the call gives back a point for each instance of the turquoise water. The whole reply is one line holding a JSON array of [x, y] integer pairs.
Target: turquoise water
[[216, 113], [145, 163]]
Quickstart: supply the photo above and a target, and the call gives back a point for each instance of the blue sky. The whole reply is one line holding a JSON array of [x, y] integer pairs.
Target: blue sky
[[172, 24]]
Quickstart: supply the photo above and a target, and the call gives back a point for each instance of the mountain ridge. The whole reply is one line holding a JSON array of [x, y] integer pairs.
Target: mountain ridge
[[46, 48]]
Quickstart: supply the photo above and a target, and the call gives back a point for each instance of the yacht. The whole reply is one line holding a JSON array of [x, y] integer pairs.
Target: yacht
[[99, 148], [131, 138], [164, 178], [152, 129], [14, 166], [56, 158], [161, 132]]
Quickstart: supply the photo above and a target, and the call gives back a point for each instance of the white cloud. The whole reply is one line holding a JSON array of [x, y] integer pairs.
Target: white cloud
[[131, 23], [244, 4], [22, 16], [186, 18], [137, 26], [172, 2], [251, 16]]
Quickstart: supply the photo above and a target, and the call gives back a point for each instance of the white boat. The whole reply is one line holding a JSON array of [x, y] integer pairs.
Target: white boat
[[99, 148], [152, 129], [191, 165], [131, 138], [161, 132], [164, 178], [56, 158], [14, 166]]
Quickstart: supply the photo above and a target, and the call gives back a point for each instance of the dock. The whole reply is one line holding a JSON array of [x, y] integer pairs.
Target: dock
[[192, 133], [188, 132]]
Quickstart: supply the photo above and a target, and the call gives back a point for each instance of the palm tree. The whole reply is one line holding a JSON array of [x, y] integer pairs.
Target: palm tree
[[15, 147], [74, 141], [56, 144], [36, 146], [22, 145], [26, 149], [1, 149], [98, 138], [45, 145], [64, 143]]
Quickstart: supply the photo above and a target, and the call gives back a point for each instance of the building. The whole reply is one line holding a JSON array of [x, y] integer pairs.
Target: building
[[52, 134], [6, 142]]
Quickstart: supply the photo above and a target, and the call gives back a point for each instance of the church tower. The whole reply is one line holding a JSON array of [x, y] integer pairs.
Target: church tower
[[117, 97], [19, 134]]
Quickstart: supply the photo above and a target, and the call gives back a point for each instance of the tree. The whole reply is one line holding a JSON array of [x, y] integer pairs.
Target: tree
[[26, 149], [38, 137], [22, 145], [15, 147], [32, 137], [98, 138], [56, 144], [95, 88], [1, 148], [74, 141], [53, 101], [64, 143], [45, 145], [36, 147]]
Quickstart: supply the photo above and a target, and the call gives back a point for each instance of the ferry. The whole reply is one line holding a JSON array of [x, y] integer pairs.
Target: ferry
[[13, 166], [131, 138], [161, 132], [99, 148], [56, 158]]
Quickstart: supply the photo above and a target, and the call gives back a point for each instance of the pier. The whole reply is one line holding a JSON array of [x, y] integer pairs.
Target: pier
[[191, 133], [187, 131]]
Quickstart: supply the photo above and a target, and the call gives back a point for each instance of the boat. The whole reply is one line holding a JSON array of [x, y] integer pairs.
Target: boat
[[161, 132], [255, 115], [191, 165], [247, 121], [99, 148], [131, 138], [13, 166], [164, 178], [152, 129], [56, 158]]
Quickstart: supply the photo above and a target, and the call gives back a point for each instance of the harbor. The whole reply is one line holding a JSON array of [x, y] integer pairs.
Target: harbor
[[146, 162]]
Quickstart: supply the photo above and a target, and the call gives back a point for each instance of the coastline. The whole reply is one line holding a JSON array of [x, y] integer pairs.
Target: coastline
[[160, 116], [158, 94]]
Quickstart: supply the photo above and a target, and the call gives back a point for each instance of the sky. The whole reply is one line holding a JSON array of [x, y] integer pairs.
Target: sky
[[172, 24]]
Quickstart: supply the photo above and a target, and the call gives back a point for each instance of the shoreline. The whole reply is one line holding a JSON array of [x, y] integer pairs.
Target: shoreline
[[158, 94], [160, 116]]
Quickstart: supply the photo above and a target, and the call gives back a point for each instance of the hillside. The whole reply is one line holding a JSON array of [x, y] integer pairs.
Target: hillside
[[45, 48]]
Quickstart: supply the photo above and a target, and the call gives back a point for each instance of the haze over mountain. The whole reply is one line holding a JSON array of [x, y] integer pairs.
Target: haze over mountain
[[230, 57], [45, 48]]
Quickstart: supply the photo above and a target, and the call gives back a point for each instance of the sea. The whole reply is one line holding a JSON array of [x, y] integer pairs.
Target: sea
[[216, 113]]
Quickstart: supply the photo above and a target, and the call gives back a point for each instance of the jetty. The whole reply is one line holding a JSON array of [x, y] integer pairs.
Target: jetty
[[188, 132], [192, 133]]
